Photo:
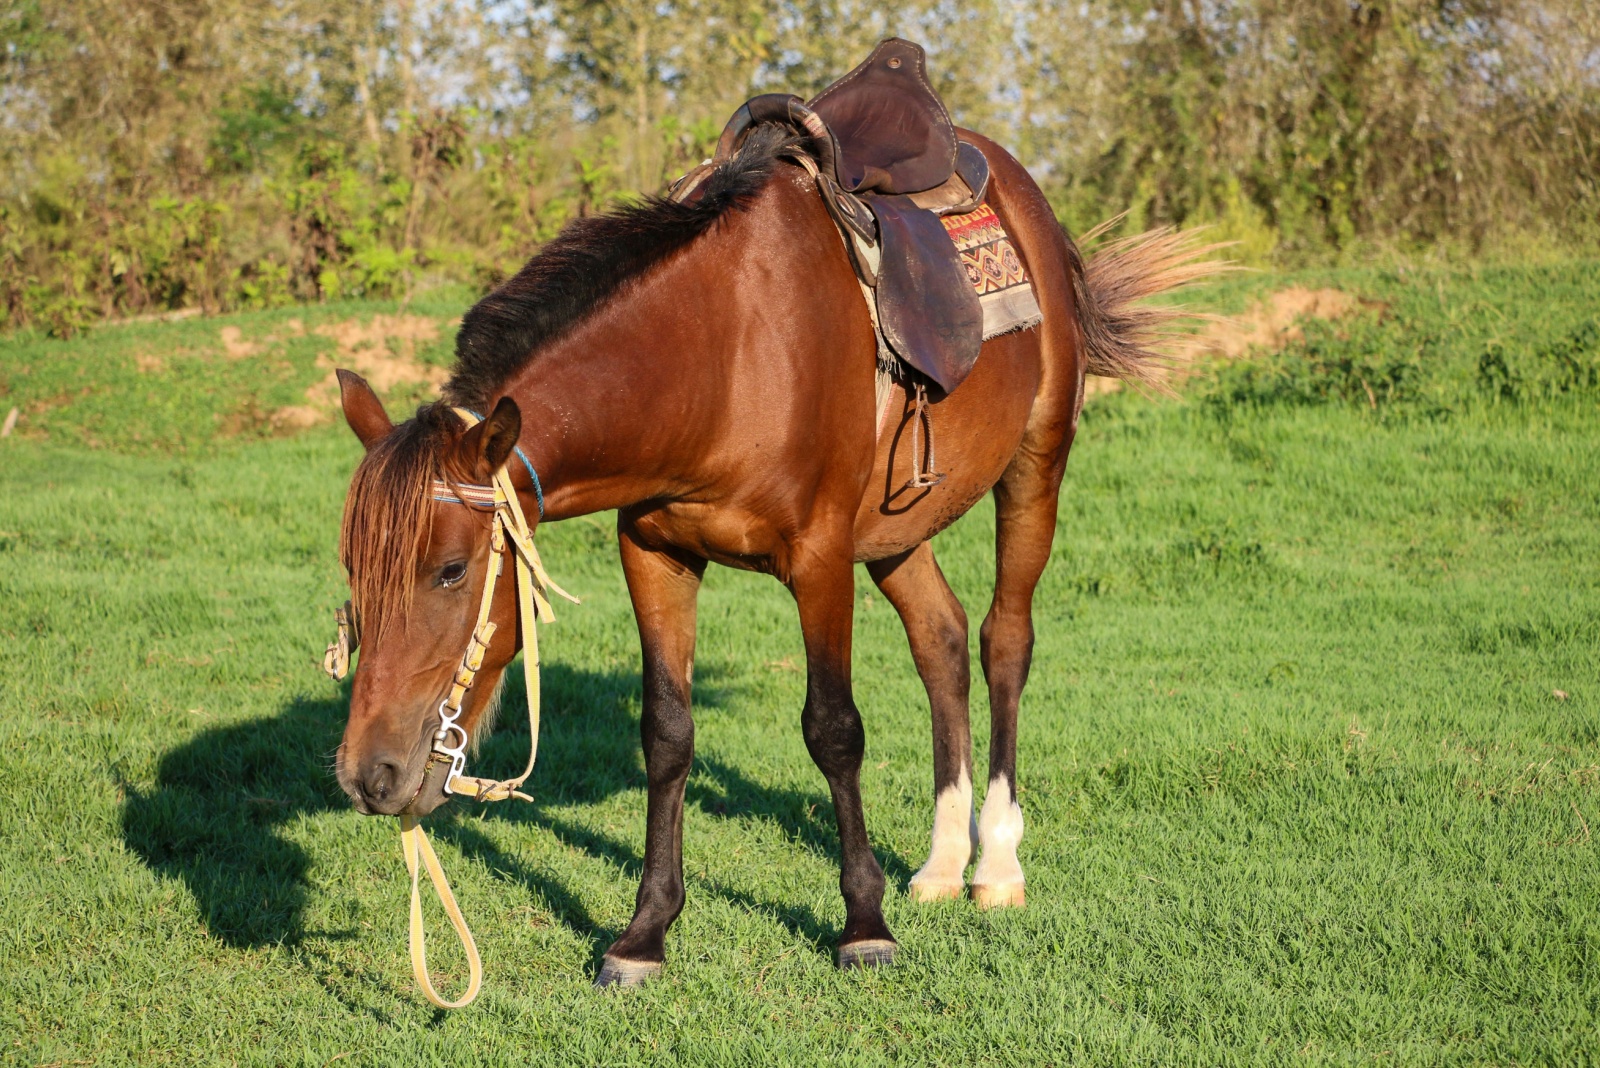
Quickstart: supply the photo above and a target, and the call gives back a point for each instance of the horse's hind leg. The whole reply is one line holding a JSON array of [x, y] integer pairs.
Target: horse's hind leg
[[1025, 522], [663, 587], [937, 629]]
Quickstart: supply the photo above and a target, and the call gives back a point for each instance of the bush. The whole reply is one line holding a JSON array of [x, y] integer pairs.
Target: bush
[[1568, 365], [1367, 361]]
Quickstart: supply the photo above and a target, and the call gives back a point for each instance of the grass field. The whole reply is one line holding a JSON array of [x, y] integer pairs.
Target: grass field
[[1310, 757]]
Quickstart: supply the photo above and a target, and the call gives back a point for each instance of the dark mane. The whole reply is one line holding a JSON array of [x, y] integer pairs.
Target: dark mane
[[589, 262]]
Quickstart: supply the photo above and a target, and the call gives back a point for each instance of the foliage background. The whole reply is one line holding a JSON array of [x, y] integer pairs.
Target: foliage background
[[158, 155]]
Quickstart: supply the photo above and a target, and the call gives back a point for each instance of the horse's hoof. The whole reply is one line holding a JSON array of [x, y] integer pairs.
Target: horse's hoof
[[614, 972], [868, 953], [1003, 896], [930, 890]]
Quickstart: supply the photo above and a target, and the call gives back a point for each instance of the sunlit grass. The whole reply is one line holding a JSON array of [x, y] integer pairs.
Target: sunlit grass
[[1310, 760]]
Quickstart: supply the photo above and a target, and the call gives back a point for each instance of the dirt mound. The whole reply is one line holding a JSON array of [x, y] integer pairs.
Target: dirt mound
[[382, 350], [1267, 325], [1273, 322]]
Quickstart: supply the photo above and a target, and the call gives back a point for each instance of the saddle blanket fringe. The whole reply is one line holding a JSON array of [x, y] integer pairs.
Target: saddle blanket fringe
[[995, 270]]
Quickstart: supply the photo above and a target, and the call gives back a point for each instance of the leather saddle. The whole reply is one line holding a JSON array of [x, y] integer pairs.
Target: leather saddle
[[888, 163]]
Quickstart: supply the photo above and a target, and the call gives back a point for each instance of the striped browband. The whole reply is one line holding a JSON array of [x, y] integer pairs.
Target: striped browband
[[464, 493]]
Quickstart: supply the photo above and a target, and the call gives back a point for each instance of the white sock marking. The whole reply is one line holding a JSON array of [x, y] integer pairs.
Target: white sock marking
[[1000, 830], [955, 838]]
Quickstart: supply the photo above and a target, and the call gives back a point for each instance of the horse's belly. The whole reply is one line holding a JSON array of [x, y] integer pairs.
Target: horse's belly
[[723, 533], [976, 431]]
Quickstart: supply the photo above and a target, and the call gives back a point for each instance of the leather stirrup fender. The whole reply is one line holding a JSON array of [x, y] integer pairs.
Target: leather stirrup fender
[[927, 307]]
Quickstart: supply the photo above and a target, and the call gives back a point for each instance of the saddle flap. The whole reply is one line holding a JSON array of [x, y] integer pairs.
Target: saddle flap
[[927, 308], [893, 133]]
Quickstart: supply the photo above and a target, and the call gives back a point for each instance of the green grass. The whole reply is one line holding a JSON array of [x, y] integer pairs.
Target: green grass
[[1298, 783], [173, 387]]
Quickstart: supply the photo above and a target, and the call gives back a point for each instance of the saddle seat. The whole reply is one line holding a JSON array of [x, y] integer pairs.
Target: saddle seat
[[888, 163], [892, 130], [881, 129]]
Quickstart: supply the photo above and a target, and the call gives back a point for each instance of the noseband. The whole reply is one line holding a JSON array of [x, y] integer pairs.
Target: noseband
[[508, 535]]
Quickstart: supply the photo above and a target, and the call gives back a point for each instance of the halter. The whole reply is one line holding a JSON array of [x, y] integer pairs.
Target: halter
[[508, 534]]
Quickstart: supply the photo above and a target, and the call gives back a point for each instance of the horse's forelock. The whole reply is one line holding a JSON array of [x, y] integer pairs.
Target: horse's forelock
[[387, 517]]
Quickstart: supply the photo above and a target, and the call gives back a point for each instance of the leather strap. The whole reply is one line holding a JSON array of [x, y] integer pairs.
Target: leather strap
[[414, 841]]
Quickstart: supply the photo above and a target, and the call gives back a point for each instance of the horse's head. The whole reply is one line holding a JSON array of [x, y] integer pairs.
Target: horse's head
[[417, 569]]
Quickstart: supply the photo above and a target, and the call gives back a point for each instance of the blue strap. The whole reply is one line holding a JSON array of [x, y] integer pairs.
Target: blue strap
[[538, 490]]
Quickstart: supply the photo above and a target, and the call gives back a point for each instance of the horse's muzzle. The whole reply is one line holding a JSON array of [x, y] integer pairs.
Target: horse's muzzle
[[430, 792], [388, 785]]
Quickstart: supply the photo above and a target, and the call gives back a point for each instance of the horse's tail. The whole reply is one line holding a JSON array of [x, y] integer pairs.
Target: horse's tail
[[1126, 338]]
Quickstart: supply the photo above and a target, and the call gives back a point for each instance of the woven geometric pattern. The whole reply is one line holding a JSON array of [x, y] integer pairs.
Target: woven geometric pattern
[[995, 270], [990, 259]]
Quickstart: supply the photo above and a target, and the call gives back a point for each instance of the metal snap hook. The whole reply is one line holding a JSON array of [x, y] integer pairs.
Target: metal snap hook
[[444, 733]]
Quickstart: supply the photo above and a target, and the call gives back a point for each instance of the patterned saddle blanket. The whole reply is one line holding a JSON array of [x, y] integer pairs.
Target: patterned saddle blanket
[[995, 270]]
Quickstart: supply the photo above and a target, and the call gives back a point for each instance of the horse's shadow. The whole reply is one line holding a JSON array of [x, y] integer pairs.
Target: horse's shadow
[[215, 815]]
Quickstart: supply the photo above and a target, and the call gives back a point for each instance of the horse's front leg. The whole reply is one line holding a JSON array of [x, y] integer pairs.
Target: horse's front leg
[[824, 589], [663, 586]]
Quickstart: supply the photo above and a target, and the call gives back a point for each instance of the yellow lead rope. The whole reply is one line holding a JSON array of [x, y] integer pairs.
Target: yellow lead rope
[[415, 841], [533, 607]]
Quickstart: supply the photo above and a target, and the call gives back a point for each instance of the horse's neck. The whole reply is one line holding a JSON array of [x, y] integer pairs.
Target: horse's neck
[[660, 392], [605, 409]]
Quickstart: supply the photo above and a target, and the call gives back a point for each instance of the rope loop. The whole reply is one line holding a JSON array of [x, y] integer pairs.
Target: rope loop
[[414, 842]]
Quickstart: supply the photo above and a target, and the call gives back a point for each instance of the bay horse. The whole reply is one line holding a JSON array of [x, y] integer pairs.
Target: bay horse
[[707, 369]]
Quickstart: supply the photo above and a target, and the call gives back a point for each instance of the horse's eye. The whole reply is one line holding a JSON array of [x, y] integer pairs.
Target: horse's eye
[[450, 574]]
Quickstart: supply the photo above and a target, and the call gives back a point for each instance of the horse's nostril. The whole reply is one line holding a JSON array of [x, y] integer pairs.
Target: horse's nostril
[[380, 780]]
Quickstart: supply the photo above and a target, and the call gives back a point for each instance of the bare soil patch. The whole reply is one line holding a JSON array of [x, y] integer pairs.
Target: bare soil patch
[[383, 350], [1274, 321], [1267, 326], [234, 345]]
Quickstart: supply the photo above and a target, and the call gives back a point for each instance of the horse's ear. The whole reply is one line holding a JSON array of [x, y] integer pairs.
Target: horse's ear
[[362, 409], [489, 443]]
